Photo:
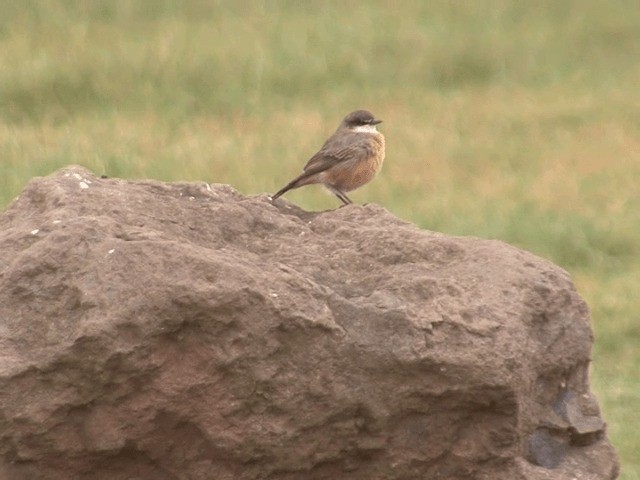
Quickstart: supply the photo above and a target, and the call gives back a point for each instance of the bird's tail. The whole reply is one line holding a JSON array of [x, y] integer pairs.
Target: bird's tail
[[303, 179]]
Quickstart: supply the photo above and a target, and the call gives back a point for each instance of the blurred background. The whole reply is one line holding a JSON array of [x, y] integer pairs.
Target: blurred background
[[504, 119]]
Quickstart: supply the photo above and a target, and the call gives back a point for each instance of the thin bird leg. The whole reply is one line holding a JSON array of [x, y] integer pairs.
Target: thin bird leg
[[341, 195]]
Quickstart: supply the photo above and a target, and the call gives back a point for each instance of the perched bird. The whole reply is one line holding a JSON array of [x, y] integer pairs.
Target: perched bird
[[350, 157]]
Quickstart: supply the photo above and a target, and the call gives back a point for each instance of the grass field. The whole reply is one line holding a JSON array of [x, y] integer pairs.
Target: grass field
[[504, 119]]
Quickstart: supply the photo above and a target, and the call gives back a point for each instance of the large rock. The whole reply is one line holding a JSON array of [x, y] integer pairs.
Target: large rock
[[181, 331]]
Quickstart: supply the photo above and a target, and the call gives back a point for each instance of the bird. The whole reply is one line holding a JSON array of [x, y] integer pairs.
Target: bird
[[349, 158]]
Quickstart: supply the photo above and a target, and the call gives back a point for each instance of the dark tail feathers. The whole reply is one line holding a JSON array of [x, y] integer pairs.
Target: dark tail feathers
[[295, 183]]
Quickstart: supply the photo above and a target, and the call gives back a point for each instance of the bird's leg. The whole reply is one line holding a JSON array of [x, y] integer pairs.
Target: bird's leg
[[341, 195], [346, 200]]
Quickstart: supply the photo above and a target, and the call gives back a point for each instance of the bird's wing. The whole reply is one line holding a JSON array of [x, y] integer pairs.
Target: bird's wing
[[337, 150]]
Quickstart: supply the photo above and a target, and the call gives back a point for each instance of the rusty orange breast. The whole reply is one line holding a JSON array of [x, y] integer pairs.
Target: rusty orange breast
[[356, 172]]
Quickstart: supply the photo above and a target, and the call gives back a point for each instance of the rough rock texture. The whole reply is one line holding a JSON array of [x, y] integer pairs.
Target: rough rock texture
[[180, 331]]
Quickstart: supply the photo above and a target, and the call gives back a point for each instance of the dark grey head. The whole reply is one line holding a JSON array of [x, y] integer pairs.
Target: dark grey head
[[360, 118]]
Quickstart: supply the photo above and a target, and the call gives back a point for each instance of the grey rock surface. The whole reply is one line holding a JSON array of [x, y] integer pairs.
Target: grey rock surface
[[185, 331]]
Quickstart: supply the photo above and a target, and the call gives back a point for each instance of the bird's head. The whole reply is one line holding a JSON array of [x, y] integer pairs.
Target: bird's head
[[360, 121]]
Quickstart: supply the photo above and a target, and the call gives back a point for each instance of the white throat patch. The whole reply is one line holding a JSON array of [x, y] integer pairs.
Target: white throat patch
[[365, 129]]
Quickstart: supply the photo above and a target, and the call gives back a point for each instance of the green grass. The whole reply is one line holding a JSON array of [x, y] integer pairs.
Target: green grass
[[504, 119]]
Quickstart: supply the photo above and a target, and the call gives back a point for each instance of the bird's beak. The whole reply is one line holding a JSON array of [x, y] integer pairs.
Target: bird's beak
[[375, 121]]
